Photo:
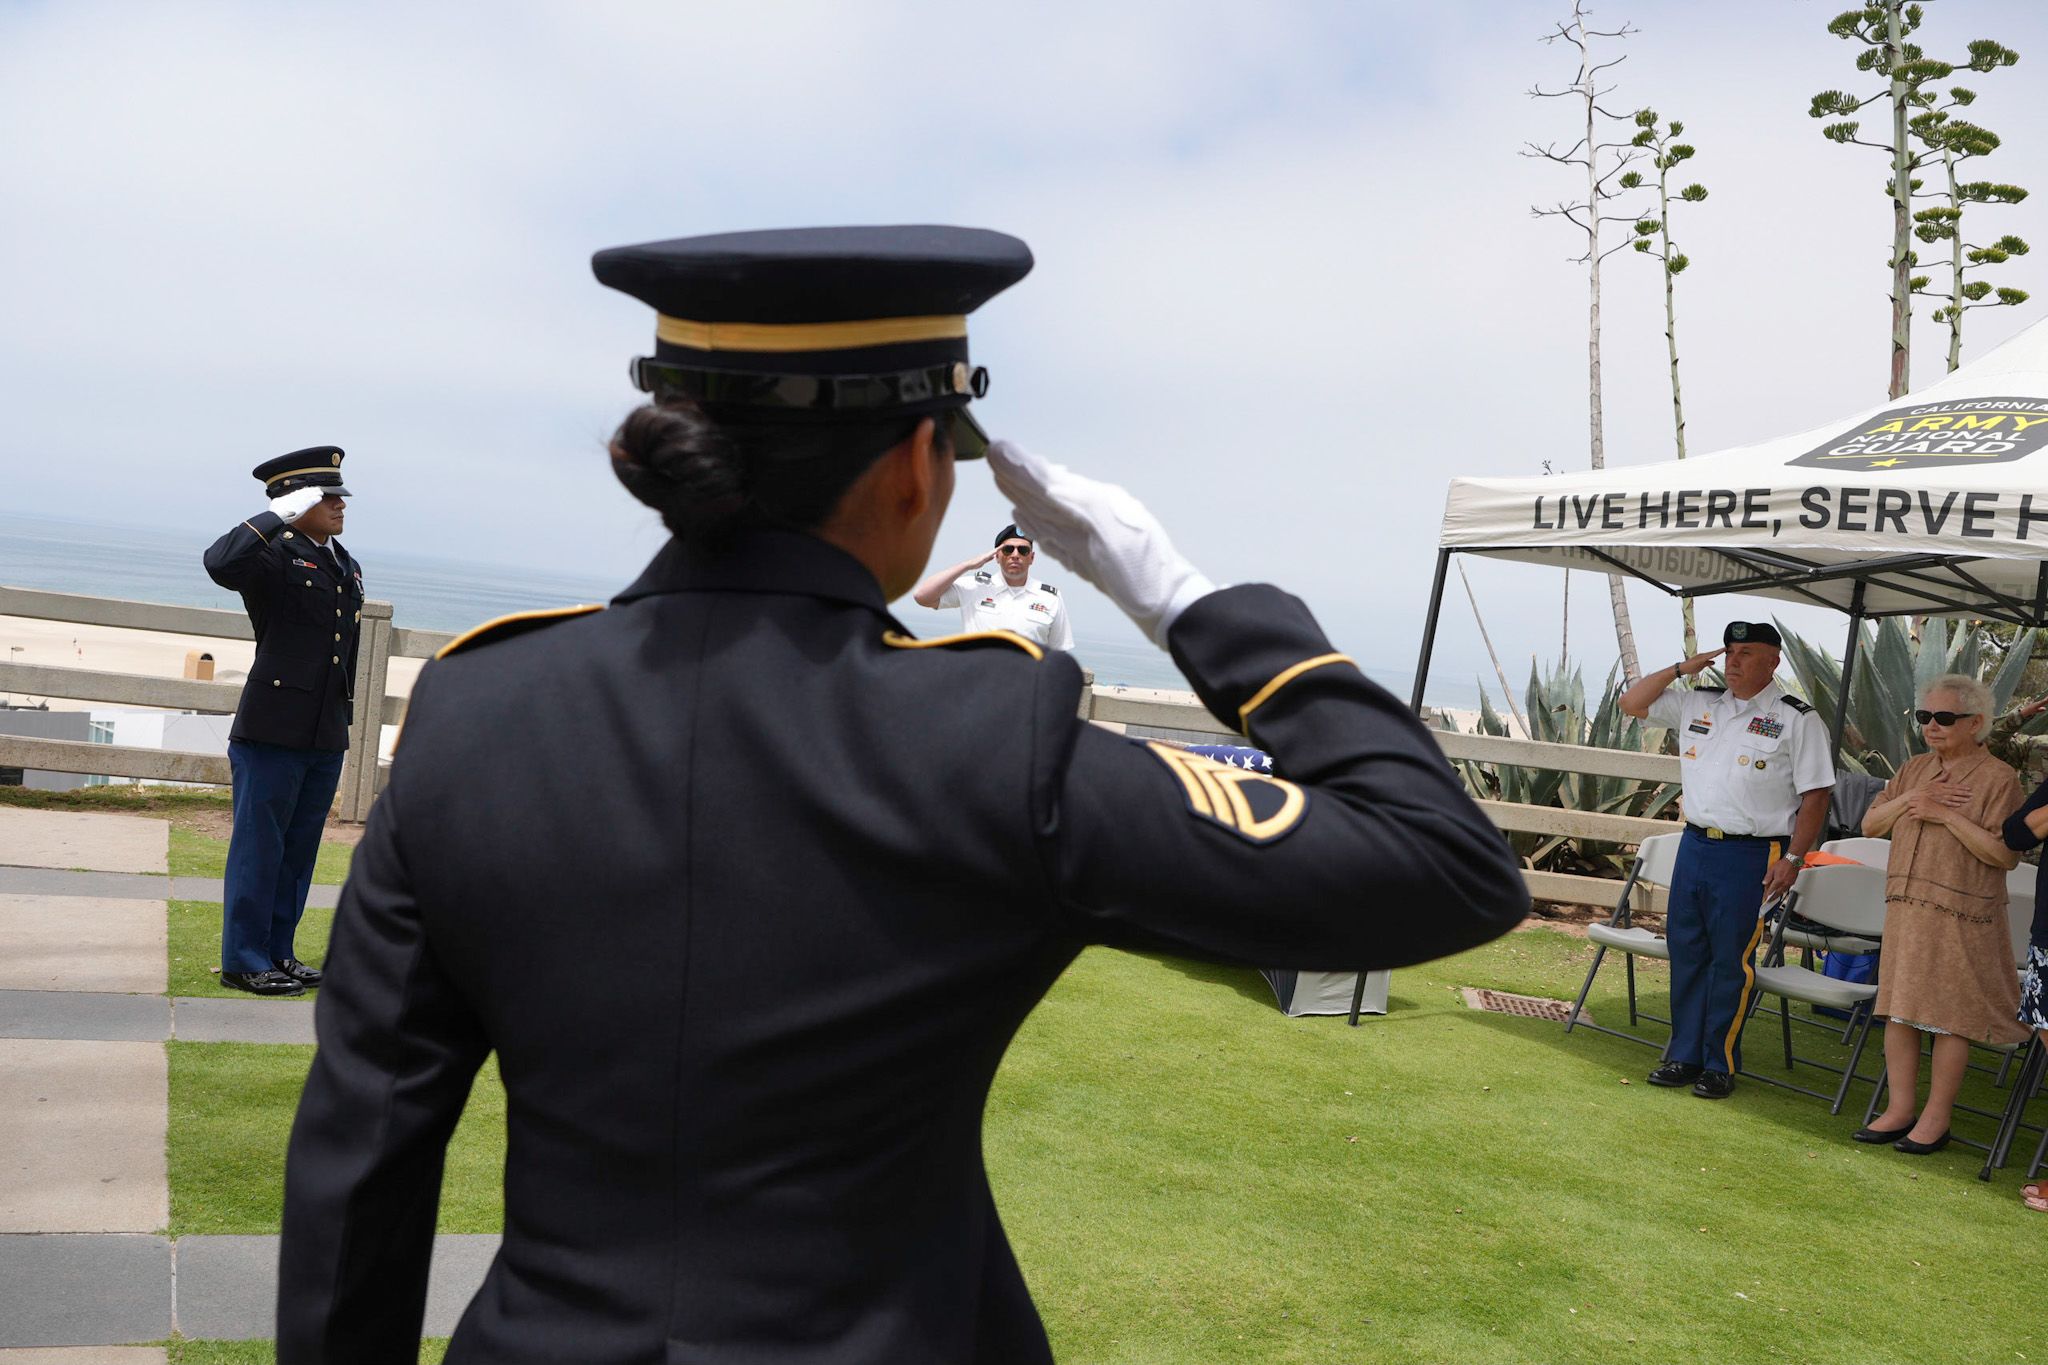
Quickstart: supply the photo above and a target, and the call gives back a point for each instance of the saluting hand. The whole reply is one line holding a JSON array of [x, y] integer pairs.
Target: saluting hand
[[1691, 667], [293, 505], [1102, 533]]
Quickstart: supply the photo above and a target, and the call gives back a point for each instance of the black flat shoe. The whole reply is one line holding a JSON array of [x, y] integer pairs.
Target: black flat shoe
[[1877, 1135], [298, 971], [1912, 1148], [262, 983], [1714, 1085], [1674, 1074]]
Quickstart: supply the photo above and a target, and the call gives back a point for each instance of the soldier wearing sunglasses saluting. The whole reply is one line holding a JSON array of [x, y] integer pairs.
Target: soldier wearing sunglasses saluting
[[1019, 603], [1757, 772]]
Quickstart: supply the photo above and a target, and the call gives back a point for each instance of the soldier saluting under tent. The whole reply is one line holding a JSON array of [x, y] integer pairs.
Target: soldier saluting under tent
[[304, 596], [1756, 773], [848, 861]]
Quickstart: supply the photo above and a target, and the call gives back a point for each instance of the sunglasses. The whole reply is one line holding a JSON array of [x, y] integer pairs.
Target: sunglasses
[[1941, 717], [1013, 549]]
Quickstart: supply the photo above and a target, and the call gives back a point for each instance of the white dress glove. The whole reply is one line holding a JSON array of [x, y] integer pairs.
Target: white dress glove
[[1102, 533], [291, 506]]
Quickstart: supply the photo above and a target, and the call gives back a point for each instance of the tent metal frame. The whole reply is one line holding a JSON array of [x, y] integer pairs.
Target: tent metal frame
[[1916, 576], [1939, 584]]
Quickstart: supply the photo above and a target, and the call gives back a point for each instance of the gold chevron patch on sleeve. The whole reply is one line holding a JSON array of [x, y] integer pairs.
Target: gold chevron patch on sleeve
[[1253, 806]]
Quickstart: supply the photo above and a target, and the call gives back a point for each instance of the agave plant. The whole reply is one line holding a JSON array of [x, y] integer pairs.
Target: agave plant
[[1879, 735], [1557, 714]]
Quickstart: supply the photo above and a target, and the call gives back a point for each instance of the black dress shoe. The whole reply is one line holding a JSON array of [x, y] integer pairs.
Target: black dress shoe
[[298, 971], [1714, 1085], [1675, 1074], [262, 983], [1912, 1148], [1877, 1135]]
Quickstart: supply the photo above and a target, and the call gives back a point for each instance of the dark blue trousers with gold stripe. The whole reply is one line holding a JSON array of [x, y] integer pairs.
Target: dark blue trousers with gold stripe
[[1712, 928]]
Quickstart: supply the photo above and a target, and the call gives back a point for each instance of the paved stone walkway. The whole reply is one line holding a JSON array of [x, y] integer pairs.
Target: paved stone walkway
[[42, 881], [85, 1268]]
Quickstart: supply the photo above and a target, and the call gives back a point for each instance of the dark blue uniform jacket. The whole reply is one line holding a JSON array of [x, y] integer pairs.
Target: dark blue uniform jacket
[[748, 891], [307, 613]]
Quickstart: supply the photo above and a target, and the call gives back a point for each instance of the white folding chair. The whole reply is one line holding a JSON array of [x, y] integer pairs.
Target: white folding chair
[[1871, 853], [1840, 900], [2019, 920], [1656, 856], [1863, 848]]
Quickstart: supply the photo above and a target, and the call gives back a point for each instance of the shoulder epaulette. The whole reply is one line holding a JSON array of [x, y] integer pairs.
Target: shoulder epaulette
[[983, 577], [506, 627], [1717, 691], [1795, 703], [1047, 587], [897, 640]]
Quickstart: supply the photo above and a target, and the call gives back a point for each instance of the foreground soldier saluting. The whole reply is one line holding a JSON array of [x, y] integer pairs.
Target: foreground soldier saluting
[[849, 862]]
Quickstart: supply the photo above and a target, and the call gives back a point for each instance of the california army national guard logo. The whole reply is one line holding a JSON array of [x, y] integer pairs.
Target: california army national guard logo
[[1965, 431]]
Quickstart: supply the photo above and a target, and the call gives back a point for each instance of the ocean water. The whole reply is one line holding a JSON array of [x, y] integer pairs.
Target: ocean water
[[154, 565]]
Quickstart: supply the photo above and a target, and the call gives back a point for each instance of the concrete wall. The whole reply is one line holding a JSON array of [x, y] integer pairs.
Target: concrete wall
[[45, 725]]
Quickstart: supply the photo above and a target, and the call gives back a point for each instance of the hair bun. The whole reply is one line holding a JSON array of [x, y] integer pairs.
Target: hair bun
[[671, 457]]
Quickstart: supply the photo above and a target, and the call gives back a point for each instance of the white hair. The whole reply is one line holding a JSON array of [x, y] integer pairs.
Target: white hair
[[1972, 696]]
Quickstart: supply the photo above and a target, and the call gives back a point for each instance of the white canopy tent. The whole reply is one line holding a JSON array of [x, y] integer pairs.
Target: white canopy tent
[[1934, 504]]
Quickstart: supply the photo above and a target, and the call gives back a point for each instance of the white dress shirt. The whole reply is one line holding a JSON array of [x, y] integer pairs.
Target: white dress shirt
[[1744, 764], [1033, 610]]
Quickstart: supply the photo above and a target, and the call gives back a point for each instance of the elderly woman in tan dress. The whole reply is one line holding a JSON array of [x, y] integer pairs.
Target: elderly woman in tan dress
[[1947, 967]]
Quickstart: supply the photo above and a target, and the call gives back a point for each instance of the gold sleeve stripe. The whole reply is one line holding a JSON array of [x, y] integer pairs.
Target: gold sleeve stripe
[[259, 535], [1198, 796], [1010, 637], [476, 633], [1215, 792], [1281, 679], [1220, 801], [807, 336]]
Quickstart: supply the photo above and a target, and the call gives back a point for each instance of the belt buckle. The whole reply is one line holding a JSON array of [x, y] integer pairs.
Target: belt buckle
[[1713, 833]]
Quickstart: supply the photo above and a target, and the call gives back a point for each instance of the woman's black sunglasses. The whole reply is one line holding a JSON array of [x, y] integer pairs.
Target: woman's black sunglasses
[[1942, 717]]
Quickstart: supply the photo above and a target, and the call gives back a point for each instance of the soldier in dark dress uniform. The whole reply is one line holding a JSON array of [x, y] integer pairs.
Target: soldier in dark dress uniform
[[748, 889], [304, 596]]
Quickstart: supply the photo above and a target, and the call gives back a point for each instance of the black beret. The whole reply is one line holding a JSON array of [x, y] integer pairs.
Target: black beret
[[1752, 633], [314, 467], [1011, 532], [845, 323]]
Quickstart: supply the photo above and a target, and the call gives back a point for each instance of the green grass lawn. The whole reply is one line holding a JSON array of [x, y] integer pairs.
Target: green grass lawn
[[262, 1352], [1189, 1176], [193, 854], [192, 943], [231, 1116], [198, 855]]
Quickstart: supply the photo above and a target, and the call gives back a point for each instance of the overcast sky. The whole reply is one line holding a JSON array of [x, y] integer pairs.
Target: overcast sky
[[1287, 281]]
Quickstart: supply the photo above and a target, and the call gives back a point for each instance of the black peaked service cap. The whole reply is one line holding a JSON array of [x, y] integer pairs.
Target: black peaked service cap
[[314, 467], [823, 324]]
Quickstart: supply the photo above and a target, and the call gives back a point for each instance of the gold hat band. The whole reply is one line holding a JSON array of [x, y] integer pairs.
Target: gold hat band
[[807, 336], [294, 473]]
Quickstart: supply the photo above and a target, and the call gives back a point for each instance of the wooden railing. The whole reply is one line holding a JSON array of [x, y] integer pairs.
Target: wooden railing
[[361, 775], [381, 641]]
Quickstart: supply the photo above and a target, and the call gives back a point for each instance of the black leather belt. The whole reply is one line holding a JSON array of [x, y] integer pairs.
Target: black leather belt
[[1723, 836]]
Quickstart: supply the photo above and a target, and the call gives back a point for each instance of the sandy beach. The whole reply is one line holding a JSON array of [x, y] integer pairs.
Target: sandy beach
[[149, 653]]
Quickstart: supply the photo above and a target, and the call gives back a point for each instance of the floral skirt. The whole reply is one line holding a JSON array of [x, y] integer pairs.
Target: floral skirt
[[2034, 989]]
